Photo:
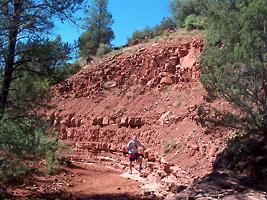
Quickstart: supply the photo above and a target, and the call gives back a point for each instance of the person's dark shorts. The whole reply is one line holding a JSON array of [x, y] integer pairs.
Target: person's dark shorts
[[135, 156]]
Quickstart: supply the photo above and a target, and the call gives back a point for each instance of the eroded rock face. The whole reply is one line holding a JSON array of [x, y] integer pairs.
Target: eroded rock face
[[166, 62], [152, 92]]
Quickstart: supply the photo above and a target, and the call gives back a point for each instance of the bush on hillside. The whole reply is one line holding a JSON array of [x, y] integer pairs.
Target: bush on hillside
[[194, 22], [181, 9], [25, 139], [11, 168], [148, 33], [65, 71], [103, 49], [165, 24]]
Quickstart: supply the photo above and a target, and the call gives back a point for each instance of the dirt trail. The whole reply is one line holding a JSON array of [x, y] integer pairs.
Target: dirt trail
[[96, 180], [79, 181], [93, 179]]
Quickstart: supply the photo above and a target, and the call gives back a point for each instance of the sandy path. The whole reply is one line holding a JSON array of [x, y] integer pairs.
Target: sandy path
[[92, 179], [80, 181]]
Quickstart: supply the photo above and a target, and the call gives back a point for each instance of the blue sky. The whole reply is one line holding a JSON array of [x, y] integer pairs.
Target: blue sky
[[128, 16]]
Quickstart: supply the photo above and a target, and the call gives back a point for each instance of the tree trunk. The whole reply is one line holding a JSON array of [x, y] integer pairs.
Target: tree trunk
[[265, 35], [10, 56]]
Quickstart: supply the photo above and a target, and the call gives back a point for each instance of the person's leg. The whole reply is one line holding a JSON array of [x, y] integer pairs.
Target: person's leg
[[131, 166], [140, 160]]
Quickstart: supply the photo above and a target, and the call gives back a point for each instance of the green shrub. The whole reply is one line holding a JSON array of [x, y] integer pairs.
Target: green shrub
[[103, 49], [194, 22], [136, 35], [146, 33], [22, 138], [11, 169], [65, 71], [149, 33], [165, 24], [181, 9], [25, 139], [50, 161]]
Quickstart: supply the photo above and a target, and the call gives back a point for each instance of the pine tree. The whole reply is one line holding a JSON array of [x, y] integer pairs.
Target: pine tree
[[23, 22], [31, 82], [234, 64], [98, 23]]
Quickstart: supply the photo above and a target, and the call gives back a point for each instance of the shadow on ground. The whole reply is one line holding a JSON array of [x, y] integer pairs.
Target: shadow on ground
[[69, 196], [239, 171]]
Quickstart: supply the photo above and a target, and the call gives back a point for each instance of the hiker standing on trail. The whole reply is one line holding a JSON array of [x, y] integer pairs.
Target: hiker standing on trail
[[134, 155]]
